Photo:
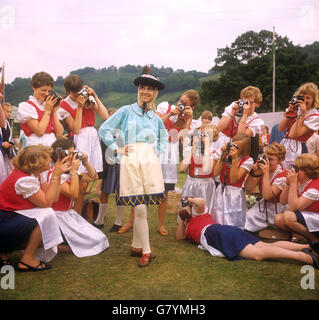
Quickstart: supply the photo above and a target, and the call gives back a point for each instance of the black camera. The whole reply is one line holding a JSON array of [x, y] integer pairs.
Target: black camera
[[185, 202], [294, 99], [185, 212], [293, 166], [241, 104], [261, 159], [230, 144], [57, 96], [181, 107], [61, 154]]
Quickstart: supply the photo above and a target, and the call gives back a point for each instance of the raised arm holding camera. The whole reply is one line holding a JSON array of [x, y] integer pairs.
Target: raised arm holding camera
[[240, 116], [269, 174], [300, 121], [178, 122], [232, 168], [38, 116], [81, 237]]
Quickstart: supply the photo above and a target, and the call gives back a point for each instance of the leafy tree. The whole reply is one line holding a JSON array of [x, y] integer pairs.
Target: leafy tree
[[248, 61]]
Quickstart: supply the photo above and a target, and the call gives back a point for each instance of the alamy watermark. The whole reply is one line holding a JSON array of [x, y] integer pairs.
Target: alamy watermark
[[7, 17], [308, 280], [7, 277]]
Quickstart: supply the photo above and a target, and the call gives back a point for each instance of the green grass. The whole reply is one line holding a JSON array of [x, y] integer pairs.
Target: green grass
[[180, 271]]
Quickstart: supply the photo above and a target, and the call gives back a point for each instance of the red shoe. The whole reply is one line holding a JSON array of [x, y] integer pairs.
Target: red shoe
[[146, 259]]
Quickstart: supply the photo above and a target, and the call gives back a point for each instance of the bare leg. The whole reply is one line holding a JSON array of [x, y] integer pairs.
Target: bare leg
[[292, 223], [161, 216], [262, 251], [79, 201], [129, 224], [285, 245], [32, 245]]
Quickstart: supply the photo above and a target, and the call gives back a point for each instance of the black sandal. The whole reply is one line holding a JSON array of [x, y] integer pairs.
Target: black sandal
[[315, 246], [40, 267]]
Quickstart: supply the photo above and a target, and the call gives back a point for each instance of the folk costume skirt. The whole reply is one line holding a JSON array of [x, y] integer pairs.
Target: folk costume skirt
[[83, 238], [141, 178]]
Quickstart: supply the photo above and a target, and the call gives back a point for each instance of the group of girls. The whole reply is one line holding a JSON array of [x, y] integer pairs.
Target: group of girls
[[42, 194]]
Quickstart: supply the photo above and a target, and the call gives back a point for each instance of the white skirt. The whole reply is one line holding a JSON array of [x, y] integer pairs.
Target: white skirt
[[88, 141], [312, 220], [256, 220], [84, 239], [293, 150], [51, 234], [200, 187], [230, 208], [46, 140], [169, 160]]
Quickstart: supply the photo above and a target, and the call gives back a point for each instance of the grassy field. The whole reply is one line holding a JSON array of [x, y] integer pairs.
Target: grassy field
[[181, 271]]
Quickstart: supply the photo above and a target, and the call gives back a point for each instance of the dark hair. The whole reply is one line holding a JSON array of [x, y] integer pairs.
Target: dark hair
[[73, 83], [62, 143], [246, 147], [41, 79]]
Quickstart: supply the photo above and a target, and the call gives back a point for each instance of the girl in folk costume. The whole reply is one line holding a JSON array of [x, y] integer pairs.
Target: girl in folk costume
[[78, 110], [81, 237], [38, 116], [6, 142], [302, 196], [232, 168], [233, 243], [268, 173], [240, 116], [144, 138], [22, 193], [178, 121], [300, 121], [110, 181], [199, 182]]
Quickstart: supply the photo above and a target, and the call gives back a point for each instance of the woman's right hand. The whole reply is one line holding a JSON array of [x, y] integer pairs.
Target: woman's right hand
[[125, 150], [80, 100], [61, 166]]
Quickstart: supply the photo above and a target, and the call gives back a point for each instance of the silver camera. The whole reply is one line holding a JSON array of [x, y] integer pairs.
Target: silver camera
[[83, 92]]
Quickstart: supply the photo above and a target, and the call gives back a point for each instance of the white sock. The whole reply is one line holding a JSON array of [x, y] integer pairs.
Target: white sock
[[102, 213], [140, 229], [119, 215]]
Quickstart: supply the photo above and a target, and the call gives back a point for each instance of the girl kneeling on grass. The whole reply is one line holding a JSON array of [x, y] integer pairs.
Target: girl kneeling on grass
[[233, 243], [82, 238], [25, 213]]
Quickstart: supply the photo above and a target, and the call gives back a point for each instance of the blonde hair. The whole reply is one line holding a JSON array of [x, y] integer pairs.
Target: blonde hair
[[252, 92], [309, 163], [276, 149], [211, 130], [32, 158], [311, 89]]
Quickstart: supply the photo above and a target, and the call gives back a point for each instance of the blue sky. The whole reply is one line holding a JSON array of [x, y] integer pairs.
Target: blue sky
[[61, 36]]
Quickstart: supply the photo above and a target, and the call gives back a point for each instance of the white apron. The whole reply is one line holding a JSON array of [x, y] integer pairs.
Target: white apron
[[88, 141], [169, 160], [230, 206], [51, 234], [84, 239]]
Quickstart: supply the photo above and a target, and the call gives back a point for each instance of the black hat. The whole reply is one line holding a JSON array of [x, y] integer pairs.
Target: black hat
[[149, 80]]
